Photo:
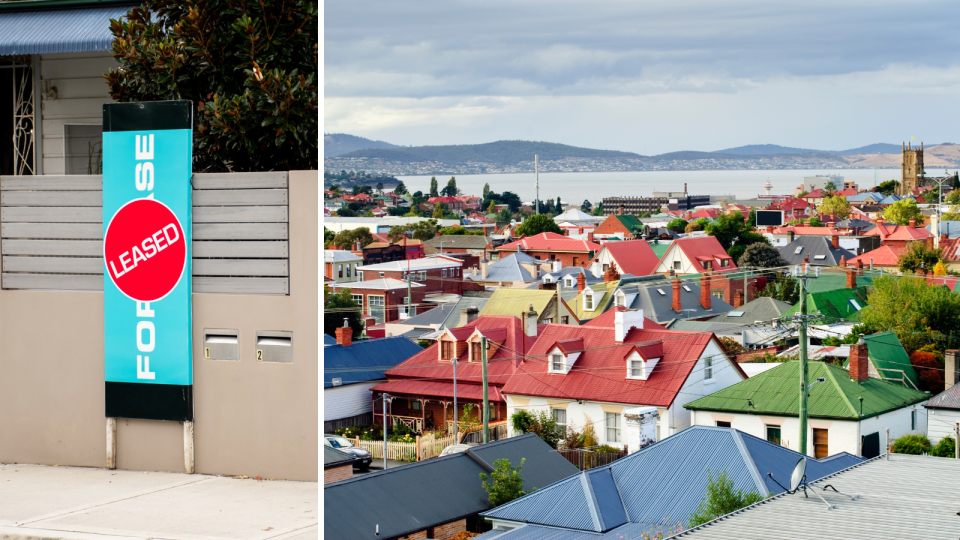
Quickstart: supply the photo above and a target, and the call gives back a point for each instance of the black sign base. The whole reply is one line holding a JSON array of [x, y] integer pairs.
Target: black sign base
[[149, 401]]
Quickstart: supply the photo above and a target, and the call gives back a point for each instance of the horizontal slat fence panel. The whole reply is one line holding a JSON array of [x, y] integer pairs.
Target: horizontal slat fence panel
[[51, 233], [55, 265], [76, 231]]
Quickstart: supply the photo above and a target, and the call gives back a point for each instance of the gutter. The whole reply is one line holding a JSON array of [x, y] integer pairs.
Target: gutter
[[40, 5]]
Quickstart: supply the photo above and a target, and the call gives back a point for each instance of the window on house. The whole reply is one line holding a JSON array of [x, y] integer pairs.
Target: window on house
[[556, 362], [676, 265], [723, 424], [553, 257], [546, 320], [447, 349], [375, 300], [588, 301], [421, 276], [717, 293], [613, 427], [820, 449], [360, 275], [560, 416], [564, 319], [381, 274], [636, 368], [773, 434], [415, 405], [358, 298], [339, 270], [606, 267], [724, 262], [443, 273], [708, 264], [475, 353], [708, 369]]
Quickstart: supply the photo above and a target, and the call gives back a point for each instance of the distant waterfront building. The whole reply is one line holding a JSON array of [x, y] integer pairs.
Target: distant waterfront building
[[653, 204], [820, 181]]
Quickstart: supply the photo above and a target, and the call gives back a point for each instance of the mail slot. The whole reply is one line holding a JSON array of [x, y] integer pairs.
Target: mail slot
[[274, 346], [220, 344]]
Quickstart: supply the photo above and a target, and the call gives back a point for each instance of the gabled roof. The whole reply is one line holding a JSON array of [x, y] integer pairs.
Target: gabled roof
[[948, 399], [418, 496], [633, 257], [507, 268], [665, 480], [887, 231], [948, 227], [835, 305], [365, 360], [453, 314], [831, 281], [818, 248], [425, 365], [630, 222], [761, 309], [702, 248], [863, 197], [659, 307], [602, 294], [890, 359], [548, 241], [659, 248], [340, 255], [607, 320], [512, 302], [599, 373], [890, 199], [575, 214], [882, 256], [773, 392]]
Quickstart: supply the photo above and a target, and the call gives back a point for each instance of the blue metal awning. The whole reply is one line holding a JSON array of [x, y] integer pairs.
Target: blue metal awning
[[58, 30]]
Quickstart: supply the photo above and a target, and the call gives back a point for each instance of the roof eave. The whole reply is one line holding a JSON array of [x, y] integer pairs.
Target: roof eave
[[38, 5]]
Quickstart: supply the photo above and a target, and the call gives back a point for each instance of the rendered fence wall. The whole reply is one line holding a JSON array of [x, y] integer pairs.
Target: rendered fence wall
[[51, 230]]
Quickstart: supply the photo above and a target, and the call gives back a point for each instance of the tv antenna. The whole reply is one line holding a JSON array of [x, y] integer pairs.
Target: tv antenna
[[798, 481]]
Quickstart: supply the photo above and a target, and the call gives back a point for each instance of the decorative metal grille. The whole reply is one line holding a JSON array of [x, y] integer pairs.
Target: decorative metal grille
[[24, 157]]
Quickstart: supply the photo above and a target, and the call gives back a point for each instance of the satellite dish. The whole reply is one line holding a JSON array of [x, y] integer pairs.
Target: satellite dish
[[798, 471]]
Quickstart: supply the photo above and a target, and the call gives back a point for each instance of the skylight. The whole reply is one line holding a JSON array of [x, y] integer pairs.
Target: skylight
[[735, 314], [819, 257], [661, 292], [799, 249], [686, 288], [855, 305]]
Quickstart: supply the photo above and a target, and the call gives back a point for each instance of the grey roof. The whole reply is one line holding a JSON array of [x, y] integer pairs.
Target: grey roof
[[333, 457], [48, 31], [862, 197], [453, 317], [703, 326], [949, 228], [340, 255], [664, 480], [433, 316], [812, 247], [948, 399], [365, 360], [905, 497], [459, 241], [574, 271], [417, 496], [760, 309], [854, 224], [659, 307], [507, 269]]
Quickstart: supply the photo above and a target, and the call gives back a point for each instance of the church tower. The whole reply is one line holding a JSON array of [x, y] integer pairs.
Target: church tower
[[911, 170]]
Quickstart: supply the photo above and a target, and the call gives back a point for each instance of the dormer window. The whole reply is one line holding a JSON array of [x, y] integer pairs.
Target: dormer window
[[556, 363], [588, 301], [636, 368], [639, 367], [476, 354], [619, 299], [724, 262], [447, 350]]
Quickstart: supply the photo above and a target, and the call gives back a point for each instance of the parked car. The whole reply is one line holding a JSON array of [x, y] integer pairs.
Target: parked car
[[344, 445]]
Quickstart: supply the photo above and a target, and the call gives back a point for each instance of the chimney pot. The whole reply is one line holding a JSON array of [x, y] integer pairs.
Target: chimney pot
[[859, 361], [530, 325], [677, 305], [590, 237], [913, 223], [345, 334], [851, 278], [705, 298], [835, 241]]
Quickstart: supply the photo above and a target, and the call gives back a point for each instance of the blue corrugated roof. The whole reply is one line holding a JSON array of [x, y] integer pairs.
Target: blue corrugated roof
[[58, 30], [666, 480], [329, 340], [365, 360]]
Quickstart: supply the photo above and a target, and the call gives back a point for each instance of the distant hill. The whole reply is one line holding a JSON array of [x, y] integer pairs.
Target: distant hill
[[877, 148], [765, 150], [500, 152], [337, 144], [694, 154]]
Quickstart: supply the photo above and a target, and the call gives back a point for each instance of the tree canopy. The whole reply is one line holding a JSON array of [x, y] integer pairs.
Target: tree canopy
[[508, 198], [918, 255], [734, 234], [760, 255], [782, 287], [537, 224], [401, 189], [836, 206], [586, 207], [348, 239], [338, 306], [887, 188], [422, 230], [902, 211], [434, 191], [505, 483], [677, 225], [251, 74], [450, 190], [917, 311]]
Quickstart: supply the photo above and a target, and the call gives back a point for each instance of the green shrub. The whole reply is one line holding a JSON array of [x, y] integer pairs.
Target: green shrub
[[914, 444], [606, 448], [945, 448]]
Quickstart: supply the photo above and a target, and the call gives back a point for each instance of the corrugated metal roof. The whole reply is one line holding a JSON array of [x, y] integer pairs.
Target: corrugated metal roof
[[774, 392], [905, 497], [948, 399], [835, 304], [890, 358], [513, 302], [58, 30], [332, 456], [664, 481], [760, 309], [365, 360], [421, 495]]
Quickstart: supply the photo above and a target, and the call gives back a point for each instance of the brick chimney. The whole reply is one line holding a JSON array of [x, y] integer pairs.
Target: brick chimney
[[835, 241], [468, 315], [345, 334], [677, 306], [620, 210], [737, 298], [930, 242], [859, 361], [590, 237], [913, 223], [581, 283], [611, 274], [566, 232], [843, 261], [705, 291], [831, 224], [851, 279], [950, 368]]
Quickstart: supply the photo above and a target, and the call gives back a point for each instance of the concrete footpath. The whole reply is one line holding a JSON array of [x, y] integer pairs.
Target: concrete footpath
[[77, 503]]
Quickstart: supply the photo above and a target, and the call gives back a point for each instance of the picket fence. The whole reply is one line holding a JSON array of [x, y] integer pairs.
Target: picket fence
[[425, 447]]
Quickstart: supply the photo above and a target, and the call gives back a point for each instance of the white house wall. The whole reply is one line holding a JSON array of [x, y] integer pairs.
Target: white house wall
[[842, 435], [675, 254], [724, 375], [81, 94], [941, 423], [346, 401]]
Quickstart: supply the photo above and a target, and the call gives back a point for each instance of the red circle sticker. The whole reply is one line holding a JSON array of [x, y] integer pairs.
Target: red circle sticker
[[144, 250]]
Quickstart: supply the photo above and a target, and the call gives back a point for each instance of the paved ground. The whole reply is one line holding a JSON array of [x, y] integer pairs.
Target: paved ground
[[77, 503]]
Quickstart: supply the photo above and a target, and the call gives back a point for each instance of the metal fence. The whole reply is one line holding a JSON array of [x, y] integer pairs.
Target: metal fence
[[51, 233], [587, 459]]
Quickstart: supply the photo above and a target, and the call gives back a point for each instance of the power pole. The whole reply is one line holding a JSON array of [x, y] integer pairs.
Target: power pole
[[802, 320], [536, 173], [486, 399]]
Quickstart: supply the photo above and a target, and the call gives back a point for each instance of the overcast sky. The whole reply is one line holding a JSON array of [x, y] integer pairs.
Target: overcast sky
[[641, 76]]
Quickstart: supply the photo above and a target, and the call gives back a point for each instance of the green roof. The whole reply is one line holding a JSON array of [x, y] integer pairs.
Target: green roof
[[835, 304], [603, 293], [516, 301], [631, 223], [831, 282], [660, 248], [890, 359], [776, 392]]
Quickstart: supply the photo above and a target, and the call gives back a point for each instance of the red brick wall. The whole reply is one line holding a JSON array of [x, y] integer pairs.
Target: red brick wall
[[611, 226], [415, 536], [449, 530], [731, 286], [335, 474]]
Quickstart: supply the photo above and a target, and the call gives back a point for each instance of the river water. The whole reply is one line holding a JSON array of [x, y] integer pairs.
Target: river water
[[574, 187]]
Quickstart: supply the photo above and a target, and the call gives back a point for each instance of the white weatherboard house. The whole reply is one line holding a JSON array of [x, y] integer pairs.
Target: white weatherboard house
[[606, 370], [943, 410], [847, 411]]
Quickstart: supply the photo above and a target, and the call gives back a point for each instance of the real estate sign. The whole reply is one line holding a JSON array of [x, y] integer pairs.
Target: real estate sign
[[148, 345]]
